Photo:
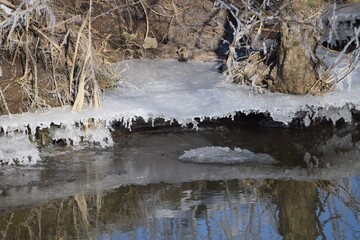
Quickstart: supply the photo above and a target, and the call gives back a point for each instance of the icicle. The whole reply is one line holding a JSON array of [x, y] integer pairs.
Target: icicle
[[307, 121], [129, 123], [32, 129], [5, 129], [195, 124]]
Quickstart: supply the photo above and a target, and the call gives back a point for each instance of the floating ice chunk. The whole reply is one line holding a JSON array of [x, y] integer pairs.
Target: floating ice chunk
[[17, 149], [224, 155]]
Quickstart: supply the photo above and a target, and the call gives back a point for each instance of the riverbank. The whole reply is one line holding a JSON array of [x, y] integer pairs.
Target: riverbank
[[173, 93], [58, 53]]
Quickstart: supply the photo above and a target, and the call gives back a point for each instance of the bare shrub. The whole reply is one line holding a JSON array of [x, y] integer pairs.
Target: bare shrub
[[280, 40]]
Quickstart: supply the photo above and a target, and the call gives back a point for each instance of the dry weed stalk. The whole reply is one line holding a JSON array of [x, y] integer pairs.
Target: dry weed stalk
[[18, 39], [247, 21], [4, 234], [4, 101], [52, 64], [82, 206], [251, 72], [87, 64]]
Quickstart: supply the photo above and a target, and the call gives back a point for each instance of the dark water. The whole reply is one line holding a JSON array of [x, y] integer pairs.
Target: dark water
[[140, 190]]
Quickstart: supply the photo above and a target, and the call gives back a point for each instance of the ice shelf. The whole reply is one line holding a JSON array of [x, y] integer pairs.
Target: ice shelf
[[183, 92]]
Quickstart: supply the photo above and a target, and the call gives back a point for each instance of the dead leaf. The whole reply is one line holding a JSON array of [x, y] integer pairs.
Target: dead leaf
[[150, 42]]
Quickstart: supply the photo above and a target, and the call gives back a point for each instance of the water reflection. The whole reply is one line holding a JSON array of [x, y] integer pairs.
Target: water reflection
[[233, 209], [140, 190]]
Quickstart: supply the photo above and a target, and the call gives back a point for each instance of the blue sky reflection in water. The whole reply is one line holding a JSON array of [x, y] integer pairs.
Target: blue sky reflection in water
[[341, 218], [250, 217], [293, 203]]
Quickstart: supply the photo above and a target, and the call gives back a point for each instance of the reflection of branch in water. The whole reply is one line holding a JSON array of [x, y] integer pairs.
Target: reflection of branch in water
[[351, 202], [4, 235], [322, 206], [343, 194], [220, 209], [347, 199], [99, 201], [58, 220], [77, 231], [84, 213]]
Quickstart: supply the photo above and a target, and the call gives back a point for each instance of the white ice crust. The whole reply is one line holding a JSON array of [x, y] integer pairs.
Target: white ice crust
[[224, 155], [183, 92], [17, 149]]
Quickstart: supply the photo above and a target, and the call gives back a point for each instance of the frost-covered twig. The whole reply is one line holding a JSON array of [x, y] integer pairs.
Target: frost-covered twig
[[286, 35], [242, 27], [344, 63]]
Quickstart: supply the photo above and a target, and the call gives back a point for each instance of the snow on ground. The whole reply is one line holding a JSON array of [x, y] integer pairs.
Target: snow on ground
[[180, 91]]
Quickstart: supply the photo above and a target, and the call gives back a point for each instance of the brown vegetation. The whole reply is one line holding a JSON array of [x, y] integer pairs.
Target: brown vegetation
[[55, 53]]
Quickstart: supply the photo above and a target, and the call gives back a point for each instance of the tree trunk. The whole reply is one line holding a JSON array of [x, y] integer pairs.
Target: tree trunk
[[296, 66]]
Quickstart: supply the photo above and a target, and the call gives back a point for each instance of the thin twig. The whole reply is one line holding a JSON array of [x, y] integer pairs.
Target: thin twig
[[76, 52], [147, 20], [4, 101]]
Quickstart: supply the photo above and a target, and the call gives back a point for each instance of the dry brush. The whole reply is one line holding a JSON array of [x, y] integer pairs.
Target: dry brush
[[275, 45], [49, 55]]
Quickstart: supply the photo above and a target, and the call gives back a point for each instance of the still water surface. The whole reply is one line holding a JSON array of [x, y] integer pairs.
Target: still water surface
[[138, 189]]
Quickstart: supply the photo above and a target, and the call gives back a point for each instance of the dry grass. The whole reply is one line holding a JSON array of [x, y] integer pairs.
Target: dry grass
[[40, 43], [55, 53], [251, 71]]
